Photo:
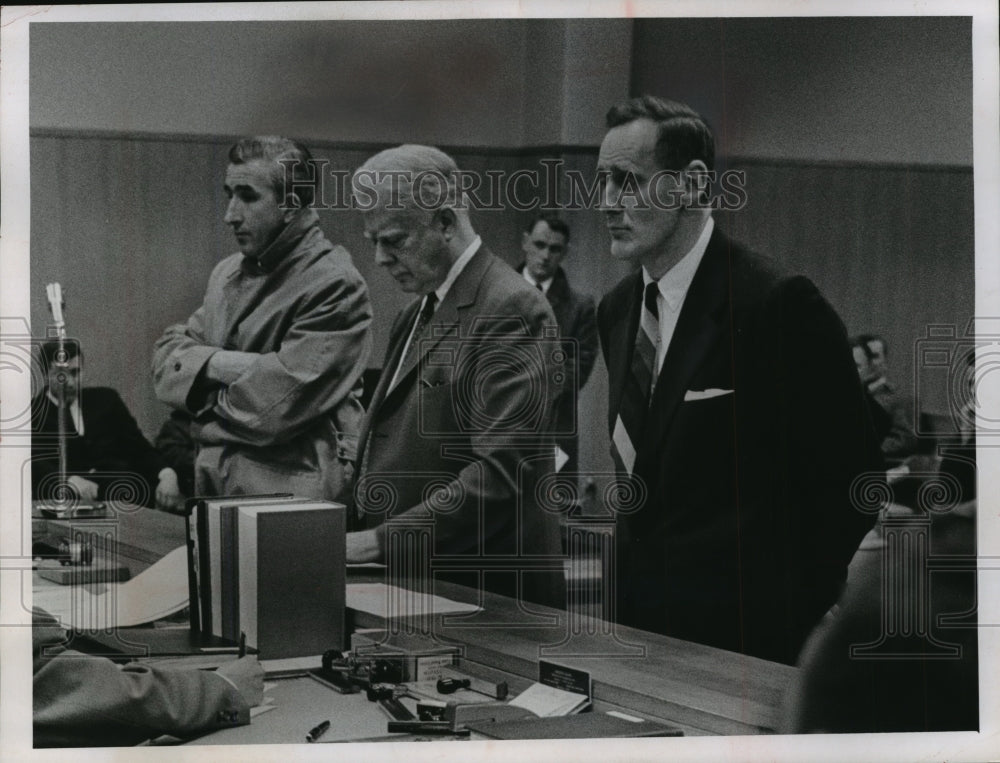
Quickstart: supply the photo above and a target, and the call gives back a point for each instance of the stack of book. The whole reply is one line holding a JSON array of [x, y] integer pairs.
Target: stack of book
[[272, 568]]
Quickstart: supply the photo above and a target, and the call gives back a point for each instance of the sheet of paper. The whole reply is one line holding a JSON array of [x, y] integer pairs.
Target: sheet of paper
[[562, 458], [155, 593], [290, 666], [255, 711], [547, 701], [381, 599]]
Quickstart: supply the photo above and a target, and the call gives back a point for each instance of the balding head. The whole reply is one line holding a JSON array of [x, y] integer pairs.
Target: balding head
[[407, 196]]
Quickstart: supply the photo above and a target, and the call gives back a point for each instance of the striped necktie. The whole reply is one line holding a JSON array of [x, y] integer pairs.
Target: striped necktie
[[634, 408]]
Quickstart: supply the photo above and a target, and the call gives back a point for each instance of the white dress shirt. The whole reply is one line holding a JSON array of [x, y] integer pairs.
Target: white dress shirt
[[74, 412], [440, 292], [673, 288], [531, 279]]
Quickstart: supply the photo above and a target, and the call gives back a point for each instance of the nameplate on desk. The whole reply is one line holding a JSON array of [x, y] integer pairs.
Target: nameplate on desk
[[567, 679]]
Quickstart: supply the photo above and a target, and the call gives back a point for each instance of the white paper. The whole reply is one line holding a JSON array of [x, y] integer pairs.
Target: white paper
[[379, 598], [562, 457], [548, 701], [153, 594]]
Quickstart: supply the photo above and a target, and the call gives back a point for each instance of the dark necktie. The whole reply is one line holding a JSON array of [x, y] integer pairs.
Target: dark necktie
[[639, 386], [423, 318]]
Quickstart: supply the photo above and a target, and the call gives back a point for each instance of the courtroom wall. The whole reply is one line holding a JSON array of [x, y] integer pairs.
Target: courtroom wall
[[860, 182]]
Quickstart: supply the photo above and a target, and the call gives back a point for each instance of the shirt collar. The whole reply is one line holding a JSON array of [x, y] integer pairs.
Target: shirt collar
[[456, 268], [73, 408], [286, 241], [878, 384], [674, 284], [531, 279]]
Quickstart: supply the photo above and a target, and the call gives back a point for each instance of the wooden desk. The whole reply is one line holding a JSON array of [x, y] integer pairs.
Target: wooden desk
[[141, 536], [300, 705], [698, 688], [702, 690]]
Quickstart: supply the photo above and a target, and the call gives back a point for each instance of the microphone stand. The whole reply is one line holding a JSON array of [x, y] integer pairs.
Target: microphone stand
[[54, 291]]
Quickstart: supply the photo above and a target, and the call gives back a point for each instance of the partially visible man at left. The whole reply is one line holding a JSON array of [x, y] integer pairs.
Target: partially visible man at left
[[270, 365], [107, 456]]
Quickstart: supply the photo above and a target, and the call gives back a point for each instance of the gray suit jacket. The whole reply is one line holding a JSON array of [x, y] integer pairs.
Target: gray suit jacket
[[461, 439], [83, 700]]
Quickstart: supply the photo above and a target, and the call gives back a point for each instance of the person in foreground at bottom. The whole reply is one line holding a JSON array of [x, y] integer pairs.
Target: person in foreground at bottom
[[82, 700], [896, 682]]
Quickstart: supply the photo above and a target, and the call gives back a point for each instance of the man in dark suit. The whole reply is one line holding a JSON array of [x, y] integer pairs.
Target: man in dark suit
[[107, 456], [456, 433], [734, 406], [545, 244]]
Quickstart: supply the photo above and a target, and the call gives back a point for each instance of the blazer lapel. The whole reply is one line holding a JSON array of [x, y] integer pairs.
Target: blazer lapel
[[699, 326], [621, 344], [393, 353], [558, 296], [444, 323]]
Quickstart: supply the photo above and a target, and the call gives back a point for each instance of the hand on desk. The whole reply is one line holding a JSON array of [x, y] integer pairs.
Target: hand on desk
[[168, 492], [84, 488], [247, 676], [362, 547]]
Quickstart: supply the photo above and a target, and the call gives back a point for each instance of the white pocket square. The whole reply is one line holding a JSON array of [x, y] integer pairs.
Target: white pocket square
[[697, 394]]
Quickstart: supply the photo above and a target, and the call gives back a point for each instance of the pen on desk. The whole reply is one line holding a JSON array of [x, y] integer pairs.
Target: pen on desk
[[317, 732], [243, 644]]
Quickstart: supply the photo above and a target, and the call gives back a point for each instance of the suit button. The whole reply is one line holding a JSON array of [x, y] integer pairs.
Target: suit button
[[177, 366]]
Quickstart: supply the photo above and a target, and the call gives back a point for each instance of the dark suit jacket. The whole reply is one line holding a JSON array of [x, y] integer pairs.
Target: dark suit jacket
[[577, 319], [462, 437], [178, 448], [926, 689], [112, 445], [958, 461], [747, 526]]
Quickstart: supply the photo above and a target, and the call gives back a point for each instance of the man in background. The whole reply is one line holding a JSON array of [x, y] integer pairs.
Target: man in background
[[107, 456], [734, 408], [871, 358], [269, 366], [545, 244], [456, 433]]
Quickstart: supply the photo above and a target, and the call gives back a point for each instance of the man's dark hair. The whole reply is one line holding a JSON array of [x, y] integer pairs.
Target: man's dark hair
[[864, 342], [683, 134], [281, 152], [556, 224], [50, 349]]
